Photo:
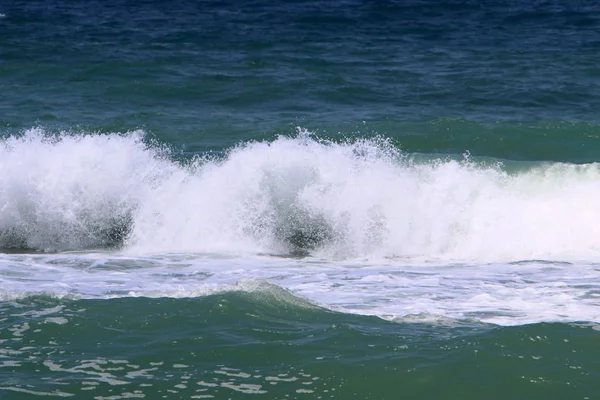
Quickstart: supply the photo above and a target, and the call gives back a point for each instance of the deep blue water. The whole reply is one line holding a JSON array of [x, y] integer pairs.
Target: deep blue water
[[209, 74]]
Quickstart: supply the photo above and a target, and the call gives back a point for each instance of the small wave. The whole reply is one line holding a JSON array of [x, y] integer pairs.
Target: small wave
[[268, 295]]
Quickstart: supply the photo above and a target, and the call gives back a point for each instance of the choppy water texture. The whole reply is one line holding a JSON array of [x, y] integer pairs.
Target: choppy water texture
[[299, 199]]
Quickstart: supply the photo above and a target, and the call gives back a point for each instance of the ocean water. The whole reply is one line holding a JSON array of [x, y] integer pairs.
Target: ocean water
[[300, 199]]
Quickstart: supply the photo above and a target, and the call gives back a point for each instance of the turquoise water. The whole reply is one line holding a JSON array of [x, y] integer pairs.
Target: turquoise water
[[307, 199]]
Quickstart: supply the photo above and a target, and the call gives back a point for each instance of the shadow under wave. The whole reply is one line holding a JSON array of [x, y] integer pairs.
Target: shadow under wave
[[89, 234]]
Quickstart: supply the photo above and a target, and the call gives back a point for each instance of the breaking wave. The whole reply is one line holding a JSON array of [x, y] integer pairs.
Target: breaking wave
[[293, 195]]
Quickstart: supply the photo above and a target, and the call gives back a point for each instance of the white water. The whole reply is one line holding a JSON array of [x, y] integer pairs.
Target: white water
[[387, 236], [506, 294]]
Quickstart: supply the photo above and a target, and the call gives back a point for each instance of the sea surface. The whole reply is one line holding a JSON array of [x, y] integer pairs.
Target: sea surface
[[314, 199]]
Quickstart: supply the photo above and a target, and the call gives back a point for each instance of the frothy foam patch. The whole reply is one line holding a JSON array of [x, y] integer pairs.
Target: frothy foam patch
[[506, 294], [290, 196]]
